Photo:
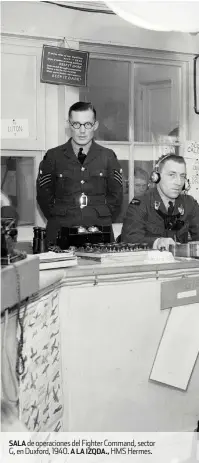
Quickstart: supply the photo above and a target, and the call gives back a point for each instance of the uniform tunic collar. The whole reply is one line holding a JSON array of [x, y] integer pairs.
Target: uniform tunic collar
[[93, 152], [164, 199], [179, 202], [76, 147]]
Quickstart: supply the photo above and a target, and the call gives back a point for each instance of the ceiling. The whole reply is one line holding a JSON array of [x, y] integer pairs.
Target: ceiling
[[92, 5]]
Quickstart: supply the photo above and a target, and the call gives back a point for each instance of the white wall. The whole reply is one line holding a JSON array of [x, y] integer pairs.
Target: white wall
[[40, 19], [47, 20]]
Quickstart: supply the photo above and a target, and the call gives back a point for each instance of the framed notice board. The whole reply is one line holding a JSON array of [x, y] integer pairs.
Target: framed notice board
[[64, 66]]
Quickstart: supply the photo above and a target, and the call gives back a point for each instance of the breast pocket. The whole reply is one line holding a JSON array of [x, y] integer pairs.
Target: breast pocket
[[99, 173], [98, 180], [64, 182]]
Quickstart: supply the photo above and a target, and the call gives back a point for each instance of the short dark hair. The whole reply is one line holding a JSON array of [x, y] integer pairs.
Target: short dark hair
[[170, 157], [141, 173], [81, 106]]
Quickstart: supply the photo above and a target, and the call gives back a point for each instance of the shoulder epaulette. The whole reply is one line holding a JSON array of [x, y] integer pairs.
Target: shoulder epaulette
[[135, 202]]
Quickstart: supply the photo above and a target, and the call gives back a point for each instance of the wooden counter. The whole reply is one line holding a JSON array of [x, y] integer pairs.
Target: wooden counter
[[19, 281], [101, 326], [112, 323], [88, 267]]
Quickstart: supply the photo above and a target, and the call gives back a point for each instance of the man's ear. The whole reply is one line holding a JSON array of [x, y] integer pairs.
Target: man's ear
[[67, 128], [96, 125], [67, 124]]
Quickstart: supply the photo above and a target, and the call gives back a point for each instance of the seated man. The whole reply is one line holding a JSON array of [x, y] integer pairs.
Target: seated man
[[164, 214], [140, 182]]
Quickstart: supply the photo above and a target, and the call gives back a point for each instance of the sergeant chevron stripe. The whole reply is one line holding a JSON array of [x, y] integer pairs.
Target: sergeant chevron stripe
[[118, 176], [44, 179]]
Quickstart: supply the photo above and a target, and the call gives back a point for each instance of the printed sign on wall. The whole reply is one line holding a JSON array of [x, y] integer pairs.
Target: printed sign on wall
[[191, 155], [64, 66], [14, 128]]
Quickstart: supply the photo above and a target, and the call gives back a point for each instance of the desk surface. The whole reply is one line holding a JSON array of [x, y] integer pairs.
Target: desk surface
[[86, 268]]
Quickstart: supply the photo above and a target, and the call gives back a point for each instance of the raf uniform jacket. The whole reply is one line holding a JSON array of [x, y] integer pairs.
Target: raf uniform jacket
[[62, 179], [143, 224]]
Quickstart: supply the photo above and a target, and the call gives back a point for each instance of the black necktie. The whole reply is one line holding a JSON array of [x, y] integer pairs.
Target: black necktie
[[81, 156], [170, 208]]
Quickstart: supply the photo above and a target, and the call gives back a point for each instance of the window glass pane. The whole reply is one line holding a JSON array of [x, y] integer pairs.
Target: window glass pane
[[108, 90], [17, 184], [157, 103]]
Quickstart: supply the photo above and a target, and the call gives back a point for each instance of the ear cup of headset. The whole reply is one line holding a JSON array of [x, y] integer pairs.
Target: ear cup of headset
[[187, 185], [155, 177]]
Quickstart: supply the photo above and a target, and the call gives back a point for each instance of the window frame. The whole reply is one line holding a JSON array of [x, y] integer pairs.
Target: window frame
[[121, 53], [146, 56]]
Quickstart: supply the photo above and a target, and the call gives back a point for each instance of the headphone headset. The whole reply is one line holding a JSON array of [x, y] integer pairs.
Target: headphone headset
[[156, 177]]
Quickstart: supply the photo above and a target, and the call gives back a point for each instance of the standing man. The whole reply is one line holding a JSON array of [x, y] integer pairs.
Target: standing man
[[79, 183], [164, 214]]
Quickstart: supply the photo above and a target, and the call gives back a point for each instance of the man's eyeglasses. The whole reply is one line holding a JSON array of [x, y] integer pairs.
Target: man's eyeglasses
[[77, 125]]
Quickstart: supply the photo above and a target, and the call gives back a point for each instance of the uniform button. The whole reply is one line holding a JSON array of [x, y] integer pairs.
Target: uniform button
[[60, 175], [83, 168], [82, 181], [101, 174]]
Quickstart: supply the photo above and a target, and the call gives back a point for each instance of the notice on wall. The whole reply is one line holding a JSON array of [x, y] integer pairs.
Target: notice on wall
[[64, 66], [191, 154], [191, 149], [180, 341], [14, 128]]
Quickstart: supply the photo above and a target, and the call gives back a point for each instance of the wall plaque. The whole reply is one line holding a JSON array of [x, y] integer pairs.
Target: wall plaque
[[64, 66]]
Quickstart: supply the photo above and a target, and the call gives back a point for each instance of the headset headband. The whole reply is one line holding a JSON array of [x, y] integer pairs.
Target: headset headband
[[165, 156]]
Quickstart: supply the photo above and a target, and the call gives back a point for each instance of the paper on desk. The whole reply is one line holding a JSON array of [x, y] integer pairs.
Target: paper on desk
[[51, 256], [179, 347]]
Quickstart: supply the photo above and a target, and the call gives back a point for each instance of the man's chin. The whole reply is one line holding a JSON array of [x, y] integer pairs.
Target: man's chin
[[175, 194], [83, 141]]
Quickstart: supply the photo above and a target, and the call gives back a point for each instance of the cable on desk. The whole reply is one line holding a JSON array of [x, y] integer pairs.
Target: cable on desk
[[20, 365], [10, 365]]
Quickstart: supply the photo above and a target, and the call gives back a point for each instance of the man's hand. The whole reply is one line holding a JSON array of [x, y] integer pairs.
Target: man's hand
[[163, 243]]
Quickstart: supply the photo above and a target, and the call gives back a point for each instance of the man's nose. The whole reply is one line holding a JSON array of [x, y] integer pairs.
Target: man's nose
[[178, 180], [82, 128]]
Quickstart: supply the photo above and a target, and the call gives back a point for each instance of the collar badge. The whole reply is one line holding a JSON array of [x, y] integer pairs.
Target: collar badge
[[157, 205], [181, 210]]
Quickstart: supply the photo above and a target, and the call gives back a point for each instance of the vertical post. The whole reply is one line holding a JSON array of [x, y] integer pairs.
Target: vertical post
[[25, 189]]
